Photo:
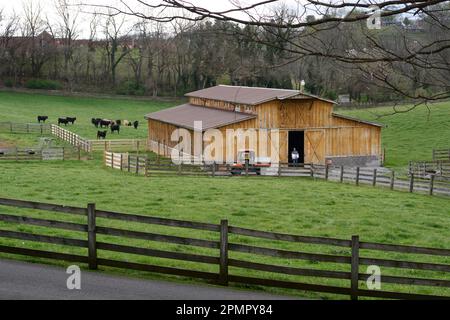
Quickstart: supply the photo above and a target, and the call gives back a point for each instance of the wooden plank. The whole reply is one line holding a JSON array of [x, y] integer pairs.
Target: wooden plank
[[355, 268], [92, 237], [158, 237], [289, 254], [158, 253], [158, 221], [405, 264], [223, 277], [404, 249], [42, 206], [290, 270], [410, 281], [289, 285], [43, 254], [42, 238], [43, 223], [158, 269], [289, 238]]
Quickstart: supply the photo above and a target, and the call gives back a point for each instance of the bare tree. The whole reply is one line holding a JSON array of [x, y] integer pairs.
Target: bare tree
[[400, 65]]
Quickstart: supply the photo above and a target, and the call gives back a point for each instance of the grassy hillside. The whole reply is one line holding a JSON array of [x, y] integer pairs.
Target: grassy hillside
[[410, 136]]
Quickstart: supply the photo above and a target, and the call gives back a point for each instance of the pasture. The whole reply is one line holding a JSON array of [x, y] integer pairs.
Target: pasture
[[24, 108], [287, 205]]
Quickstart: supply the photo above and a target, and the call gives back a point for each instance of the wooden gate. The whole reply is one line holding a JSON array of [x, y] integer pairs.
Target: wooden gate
[[315, 146]]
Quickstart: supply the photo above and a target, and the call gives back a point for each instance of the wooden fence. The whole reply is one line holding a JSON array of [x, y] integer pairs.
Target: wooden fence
[[9, 127], [142, 165], [137, 145], [441, 154], [439, 168], [71, 138], [229, 242], [51, 154]]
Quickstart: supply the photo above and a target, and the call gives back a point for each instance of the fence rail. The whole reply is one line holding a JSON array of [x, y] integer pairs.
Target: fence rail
[[228, 239], [71, 138], [49, 154], [441, 154], [440, 169], [10, 127]]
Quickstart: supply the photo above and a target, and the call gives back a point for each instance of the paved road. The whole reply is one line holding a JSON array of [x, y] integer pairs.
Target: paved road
[[22, 281]]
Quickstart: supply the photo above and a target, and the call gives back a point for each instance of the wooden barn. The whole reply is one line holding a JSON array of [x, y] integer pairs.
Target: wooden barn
[[304, 122]]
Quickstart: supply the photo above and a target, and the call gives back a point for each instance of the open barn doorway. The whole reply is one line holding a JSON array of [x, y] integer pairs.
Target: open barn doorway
[[297, 141]]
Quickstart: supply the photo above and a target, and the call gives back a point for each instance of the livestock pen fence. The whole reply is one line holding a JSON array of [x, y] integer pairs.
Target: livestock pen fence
[[10, 127], [98, 145], [47, 154], [232, 257], [143, 165], [441, 154]]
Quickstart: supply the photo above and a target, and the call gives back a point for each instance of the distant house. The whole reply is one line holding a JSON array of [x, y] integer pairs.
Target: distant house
[[305, 122]]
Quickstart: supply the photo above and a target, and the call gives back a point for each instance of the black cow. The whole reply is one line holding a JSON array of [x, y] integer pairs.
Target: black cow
[[71, 120], [115, 127], [101, 135], [119, 122], [96, 122], [105, 123], [63, 121], [42, 118], [136, 124]]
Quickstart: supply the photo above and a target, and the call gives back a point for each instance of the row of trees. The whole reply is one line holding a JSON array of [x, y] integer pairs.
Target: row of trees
[[143, 56]]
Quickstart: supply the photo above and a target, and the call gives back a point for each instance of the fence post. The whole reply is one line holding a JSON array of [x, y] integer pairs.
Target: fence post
[[214, 169], [312, 170], [279, 170], [147, 165], [358, 169], [392, 180], [246, 168], [432, 184], [79, 153], [342, 174], [137, 165], [411, 183], [355, 268], [327, 172], [121, 162], [92, 237], [223, 276], [374, 183]]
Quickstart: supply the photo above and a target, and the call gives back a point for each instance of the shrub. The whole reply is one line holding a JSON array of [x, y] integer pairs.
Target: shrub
[[43, 84], [9, 83], [131, 88]]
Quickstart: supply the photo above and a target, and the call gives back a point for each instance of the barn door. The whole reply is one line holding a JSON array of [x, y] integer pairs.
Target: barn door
[[315, 146]]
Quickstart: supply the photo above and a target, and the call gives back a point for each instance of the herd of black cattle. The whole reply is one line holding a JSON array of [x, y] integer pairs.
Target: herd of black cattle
[[98, 123]]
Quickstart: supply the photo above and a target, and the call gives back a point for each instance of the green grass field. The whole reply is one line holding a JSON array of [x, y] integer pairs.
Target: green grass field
[[288, 205], [410, 136]]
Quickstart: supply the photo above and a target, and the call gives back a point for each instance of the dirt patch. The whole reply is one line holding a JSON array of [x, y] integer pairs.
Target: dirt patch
[[6, 144]]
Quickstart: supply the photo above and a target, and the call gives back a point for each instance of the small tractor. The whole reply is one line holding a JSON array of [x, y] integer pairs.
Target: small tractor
[[248, 163]]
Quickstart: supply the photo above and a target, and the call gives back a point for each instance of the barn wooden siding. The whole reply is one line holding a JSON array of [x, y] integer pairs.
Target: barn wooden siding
[[325, 134]]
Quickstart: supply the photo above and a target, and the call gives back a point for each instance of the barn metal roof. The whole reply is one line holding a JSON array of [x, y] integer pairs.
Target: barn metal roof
[[251, 95], [376, 124], [185, 115]]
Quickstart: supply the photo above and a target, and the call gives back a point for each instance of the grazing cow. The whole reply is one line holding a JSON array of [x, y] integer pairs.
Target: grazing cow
[[101, 135], [136, 124], [115, 127], [71, 120], [63, 121], [127, 123], [119, 122], [96, 122], [42, 118], [105, 123]]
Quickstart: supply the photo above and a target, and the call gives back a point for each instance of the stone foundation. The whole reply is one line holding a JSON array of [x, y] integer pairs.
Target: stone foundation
[[357, 161]]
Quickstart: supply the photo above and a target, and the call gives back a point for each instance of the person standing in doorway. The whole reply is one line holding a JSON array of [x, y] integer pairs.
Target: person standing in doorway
[[295, 157]]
